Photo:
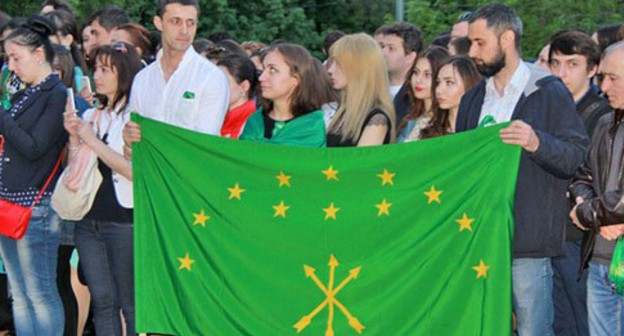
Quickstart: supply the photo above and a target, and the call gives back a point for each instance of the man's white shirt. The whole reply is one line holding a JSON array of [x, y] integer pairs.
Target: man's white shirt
[[501, 108], [196, 96]]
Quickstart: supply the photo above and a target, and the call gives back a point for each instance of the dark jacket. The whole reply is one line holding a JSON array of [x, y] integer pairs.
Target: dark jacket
[[34, 138], [541, 206], [591, 108], [402, 103], [590, 182]]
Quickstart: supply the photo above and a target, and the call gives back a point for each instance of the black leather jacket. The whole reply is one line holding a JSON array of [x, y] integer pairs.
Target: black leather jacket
[[600, 208]]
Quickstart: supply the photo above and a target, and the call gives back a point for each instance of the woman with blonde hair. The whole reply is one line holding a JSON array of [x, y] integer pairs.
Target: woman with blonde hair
[[365, 116]]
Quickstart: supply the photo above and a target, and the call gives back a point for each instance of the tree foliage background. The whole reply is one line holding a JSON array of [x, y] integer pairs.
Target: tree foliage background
[[307, 21]]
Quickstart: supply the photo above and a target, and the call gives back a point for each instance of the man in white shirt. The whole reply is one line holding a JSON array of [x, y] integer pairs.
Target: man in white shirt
[[180, 88], [400, 43]]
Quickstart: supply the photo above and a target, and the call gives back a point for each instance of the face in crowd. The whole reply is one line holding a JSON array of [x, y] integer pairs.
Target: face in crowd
[[276, 81], [178, 26], [338, 78], [611, 73], [486, 48], [422, 79], [24, 61], [397, 59], [573, 71], [449, 87]]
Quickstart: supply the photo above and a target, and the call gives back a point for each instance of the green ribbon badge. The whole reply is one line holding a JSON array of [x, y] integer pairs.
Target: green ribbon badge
[[188, 95]]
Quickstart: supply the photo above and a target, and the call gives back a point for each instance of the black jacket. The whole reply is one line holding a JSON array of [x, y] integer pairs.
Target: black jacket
[[591, 108], [402, 103], [590, 182], [35, 138], [541, 206]]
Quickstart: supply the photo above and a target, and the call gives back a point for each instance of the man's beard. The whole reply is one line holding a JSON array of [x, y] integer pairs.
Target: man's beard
[[491, 69]]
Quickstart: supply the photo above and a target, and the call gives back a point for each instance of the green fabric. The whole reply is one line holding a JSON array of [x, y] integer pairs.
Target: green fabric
[[307, 130], [616, 270], [413, 269]]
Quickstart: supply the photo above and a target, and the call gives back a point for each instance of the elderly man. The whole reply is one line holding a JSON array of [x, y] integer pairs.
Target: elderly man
[[598, 192]]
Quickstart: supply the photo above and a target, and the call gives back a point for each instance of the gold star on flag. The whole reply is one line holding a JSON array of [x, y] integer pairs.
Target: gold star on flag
[[200, 218], [386, 178], [331, 173], [465, 223], [331, 211], [280, 210], [384, 208], [481, 269], [434, 195], [186, 262], [284, 180], [236, 192]]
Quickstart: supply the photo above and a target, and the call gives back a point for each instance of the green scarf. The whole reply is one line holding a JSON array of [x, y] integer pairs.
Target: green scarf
[[307, 130]]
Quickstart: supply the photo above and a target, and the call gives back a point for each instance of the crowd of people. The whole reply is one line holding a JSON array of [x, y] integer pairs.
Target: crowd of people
[[67, 92]]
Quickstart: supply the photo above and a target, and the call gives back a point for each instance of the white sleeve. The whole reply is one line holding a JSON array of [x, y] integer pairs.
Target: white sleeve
[[213, 103]]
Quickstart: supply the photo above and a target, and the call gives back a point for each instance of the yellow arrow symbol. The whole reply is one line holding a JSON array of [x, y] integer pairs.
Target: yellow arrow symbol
[[309, 272], [333, 263], [353, 274], [306, 320], [353, 322]]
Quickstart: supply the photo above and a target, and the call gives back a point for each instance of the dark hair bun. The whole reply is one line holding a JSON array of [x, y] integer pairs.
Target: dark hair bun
[[41, 25]]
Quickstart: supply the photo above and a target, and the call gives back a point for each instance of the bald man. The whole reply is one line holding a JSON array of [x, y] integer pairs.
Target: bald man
[[598, 191]]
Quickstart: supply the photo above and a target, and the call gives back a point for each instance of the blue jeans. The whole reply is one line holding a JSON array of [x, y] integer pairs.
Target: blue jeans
[[603, 304], [31, 268], [570, 294], [532, 296], [107, 259]]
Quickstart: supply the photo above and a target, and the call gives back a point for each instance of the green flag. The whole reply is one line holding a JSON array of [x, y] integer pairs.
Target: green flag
[[240, 238]]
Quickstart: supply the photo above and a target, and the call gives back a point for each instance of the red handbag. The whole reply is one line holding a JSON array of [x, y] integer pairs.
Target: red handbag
[[14, 218]]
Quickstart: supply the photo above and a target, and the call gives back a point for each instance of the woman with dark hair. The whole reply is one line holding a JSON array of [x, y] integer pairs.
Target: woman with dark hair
[[135, 35], [104, 238], [291, 109], [241, 74], [67, 36], [9, 82], [420, 79], [455, 76], [63, 65], [33, 141]]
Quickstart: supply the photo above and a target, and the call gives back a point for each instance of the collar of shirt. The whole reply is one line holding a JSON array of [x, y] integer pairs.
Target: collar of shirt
[[518, 81], [186, 58]]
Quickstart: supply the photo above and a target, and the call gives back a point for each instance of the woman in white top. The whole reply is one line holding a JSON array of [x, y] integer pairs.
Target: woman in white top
[[104, 238]]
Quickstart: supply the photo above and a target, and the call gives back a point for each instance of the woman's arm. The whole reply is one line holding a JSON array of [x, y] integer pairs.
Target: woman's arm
[[374, 132], [112, 159]]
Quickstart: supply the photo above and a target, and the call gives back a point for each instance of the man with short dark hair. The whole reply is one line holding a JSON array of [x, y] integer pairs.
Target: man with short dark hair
[[574, 58], [545, 124], [104, 21], [400, 43], [598, 191], [181, 87]]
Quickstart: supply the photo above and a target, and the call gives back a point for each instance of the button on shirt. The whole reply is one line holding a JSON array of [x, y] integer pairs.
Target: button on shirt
[[195, 97], [501, 108]]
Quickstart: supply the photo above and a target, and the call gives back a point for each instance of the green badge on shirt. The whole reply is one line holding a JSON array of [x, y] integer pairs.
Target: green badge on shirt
[[188, 95]]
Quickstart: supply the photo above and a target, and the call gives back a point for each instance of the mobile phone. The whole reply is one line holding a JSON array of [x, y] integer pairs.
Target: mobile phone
[[86, 83], [71, 99]]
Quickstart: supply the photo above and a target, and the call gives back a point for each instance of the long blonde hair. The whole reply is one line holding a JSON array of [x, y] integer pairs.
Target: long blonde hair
[[361, 61]]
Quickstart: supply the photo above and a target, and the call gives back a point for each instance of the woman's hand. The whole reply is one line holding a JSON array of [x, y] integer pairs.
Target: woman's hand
[[86, 133], [71, 120]]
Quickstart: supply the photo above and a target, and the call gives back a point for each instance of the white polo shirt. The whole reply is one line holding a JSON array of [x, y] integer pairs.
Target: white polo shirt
[[196, 96]]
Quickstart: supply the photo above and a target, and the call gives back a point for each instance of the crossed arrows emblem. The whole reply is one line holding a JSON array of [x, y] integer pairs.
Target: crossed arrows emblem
[[331, 301]]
